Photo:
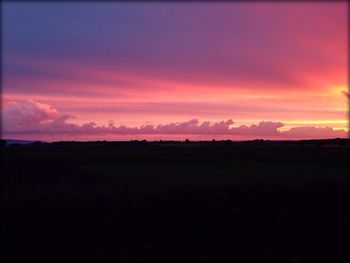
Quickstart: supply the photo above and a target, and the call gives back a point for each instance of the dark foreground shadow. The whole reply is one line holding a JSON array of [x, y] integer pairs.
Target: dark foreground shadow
[[175, 202]]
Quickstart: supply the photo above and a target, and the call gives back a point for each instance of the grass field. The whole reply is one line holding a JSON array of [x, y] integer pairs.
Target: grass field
[[176, 202]]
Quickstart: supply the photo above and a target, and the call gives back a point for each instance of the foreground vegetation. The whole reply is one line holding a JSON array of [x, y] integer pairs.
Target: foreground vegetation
[[256, 201]]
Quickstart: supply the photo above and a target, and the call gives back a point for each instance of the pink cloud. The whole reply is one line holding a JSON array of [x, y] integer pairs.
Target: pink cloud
[[315, 132], [263, 128], [19, 115], [31, 117]]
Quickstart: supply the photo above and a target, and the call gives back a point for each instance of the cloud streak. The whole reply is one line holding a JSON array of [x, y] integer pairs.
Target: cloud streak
[[32, 117], [254, 44]]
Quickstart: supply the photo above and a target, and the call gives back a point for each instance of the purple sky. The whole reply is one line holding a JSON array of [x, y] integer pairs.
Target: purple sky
[[142, 64]]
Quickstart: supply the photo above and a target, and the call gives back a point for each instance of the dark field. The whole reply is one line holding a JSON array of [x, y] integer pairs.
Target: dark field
[[176, 202]]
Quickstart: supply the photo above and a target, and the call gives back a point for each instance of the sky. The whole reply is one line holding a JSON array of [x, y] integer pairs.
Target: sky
[[122, 71]]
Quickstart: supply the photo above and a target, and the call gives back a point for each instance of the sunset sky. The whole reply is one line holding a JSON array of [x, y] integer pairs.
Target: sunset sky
[[228, 70]]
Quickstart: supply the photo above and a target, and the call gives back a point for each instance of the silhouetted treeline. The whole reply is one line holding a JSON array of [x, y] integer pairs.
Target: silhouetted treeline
[[314, 142]]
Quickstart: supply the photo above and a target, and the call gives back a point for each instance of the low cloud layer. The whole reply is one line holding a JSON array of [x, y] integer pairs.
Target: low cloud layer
[[31, 117], [27, 114]]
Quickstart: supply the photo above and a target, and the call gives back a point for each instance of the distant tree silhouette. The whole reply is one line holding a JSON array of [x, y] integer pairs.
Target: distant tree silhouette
[[340, 142]]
